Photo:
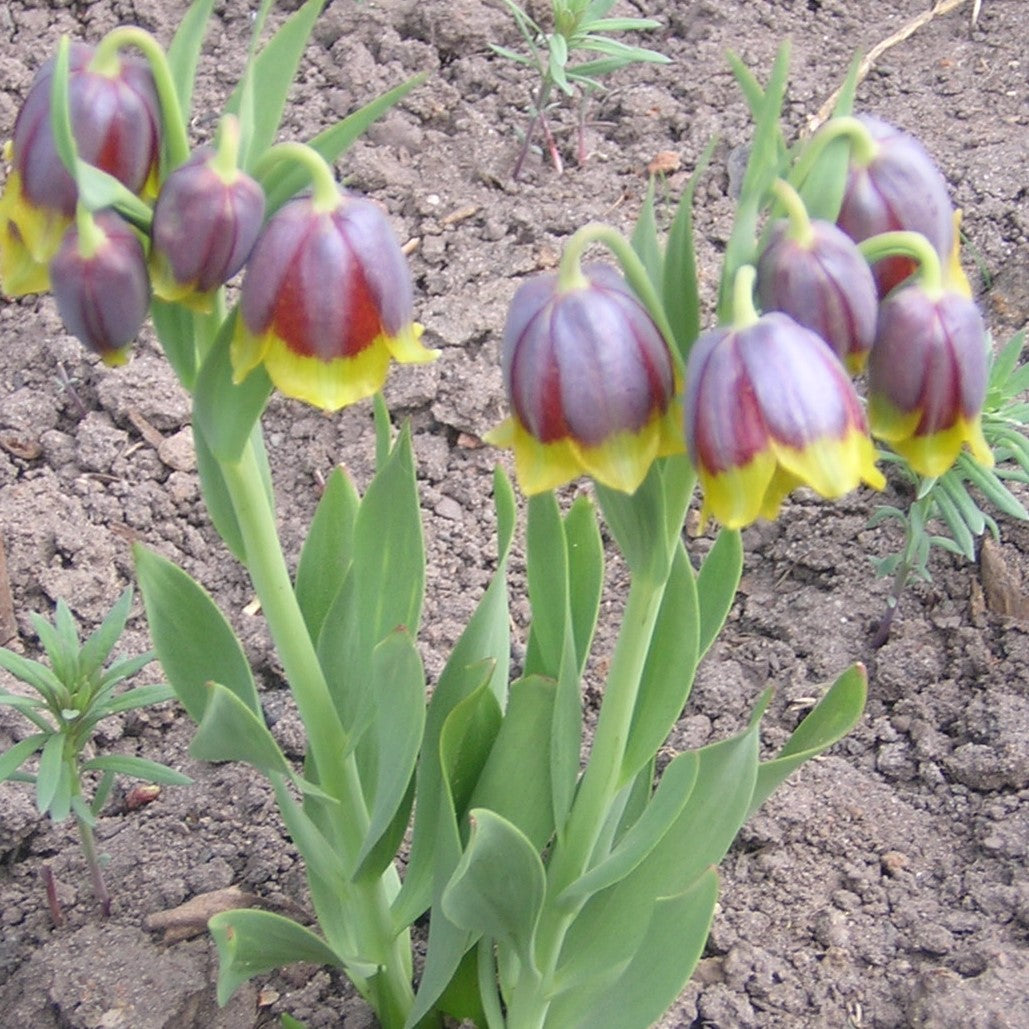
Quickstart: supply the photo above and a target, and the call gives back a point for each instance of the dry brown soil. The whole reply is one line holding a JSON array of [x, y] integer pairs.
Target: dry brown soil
[[885, 885]]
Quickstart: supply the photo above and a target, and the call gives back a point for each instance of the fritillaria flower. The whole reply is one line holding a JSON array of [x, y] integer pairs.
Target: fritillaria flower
[[206, 221], [99, 280], [590, 381], [893, 185], [769, 407], [326, 302], [114, 115], [927, 377]]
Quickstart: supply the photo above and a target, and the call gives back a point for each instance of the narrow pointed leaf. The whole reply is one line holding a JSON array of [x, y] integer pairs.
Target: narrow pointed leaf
[[15, 756], [184, 51], [717, 582], [137, 768], [96, 650], [49, 772], [141, 696], [585, 551], [36, 675]]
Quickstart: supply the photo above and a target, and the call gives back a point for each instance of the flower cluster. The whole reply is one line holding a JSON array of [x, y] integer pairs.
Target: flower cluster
[[768, 403], [326, 300]]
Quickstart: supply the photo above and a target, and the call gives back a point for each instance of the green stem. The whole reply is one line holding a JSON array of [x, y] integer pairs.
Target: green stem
[[173, 122], [863, 146], [908, 244], [569, 274], [389, 989], [325, 192], [88, 843], [744, 313], [800, 222]]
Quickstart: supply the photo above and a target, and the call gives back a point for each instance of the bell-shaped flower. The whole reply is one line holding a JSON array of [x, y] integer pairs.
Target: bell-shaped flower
[[769, 407], [927, 377], [590, 381], [206, 222], [326, 301], [893, 185], [114, 114], [99, 280], [821, 281]]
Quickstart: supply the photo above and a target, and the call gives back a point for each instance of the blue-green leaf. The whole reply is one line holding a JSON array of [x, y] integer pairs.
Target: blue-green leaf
[[15, 756], [232, 731], [717, 582], [184, 51], [96, 650], [137, 768]]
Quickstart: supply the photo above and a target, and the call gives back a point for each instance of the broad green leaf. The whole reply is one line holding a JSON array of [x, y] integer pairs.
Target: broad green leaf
[[137, 768], [270, 78], [15, 756], [547, 572], [226, 412], [585, 553], [833, 717], [671, 796], [194, 642], [250, 942], [389, 750], [38, 676], [327, 550], [48, 775], [498, 886], [96, 650], [668, 670], [174, 326], [638, 523], [672, 944], [515, 782], [645, 240], [231, 731], [717, 582], [184, 51], [566, 733], [678, 283]]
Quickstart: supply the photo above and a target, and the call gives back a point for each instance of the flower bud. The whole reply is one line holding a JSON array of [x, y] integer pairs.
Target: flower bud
[[205, 225], [325, 302], [769, 407], [823, 283], [590, 381], [927, 378], [897, 188], [99, 280], [114, 115]]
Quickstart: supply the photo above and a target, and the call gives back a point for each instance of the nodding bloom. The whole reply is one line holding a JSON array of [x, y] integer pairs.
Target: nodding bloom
[[769, 407], [927, 378], [893, 185], [99, 280], [115, 121], [821, 281], [326, 301], [590, 381], [206, 221]]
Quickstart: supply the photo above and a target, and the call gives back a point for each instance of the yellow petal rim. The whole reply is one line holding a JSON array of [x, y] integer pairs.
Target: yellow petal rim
[[29, 238], [329, 385], [621, 462]]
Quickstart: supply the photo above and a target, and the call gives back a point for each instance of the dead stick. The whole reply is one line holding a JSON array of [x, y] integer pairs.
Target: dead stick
[[8, 626]]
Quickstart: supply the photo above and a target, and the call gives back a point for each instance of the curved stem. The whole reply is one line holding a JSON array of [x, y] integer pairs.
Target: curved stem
[[744, 312], [800, 222], [863, 146], [907, 244], [325, 192]]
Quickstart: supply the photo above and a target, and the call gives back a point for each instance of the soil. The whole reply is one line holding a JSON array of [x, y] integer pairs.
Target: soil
[[884, 885]]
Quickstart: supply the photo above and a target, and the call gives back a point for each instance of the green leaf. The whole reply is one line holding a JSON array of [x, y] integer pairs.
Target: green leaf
[[141, 696], [217, 497], [38, 676], [284, 179], [645, 240], [15, 756], [226, 412], [669, 668], [498, 886], [952, 516], [184, 51], [678, 284], [327, 551], [64, 657], [96, 650], [394, 738], [122, 670], [672, 944], [637, 522], [231, 731], [833, 717], [717, 582], [137, 768], [269, 78], [547, 572], [643, 836], [585, 553], [174, 325], [194, 642], [522, 799], [48, 775], [250, 942], [991, 487]]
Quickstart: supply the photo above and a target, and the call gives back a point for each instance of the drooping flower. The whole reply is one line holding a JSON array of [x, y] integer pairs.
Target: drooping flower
[[113, 109], [821, 281], [206, 222], [590, 380], [893, 185], [326, 302], [769, 407], [99, 280], [927, 378]]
